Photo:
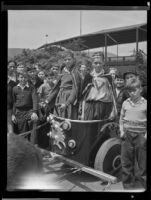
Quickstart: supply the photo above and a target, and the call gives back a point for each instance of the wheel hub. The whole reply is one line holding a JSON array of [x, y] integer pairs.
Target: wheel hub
[[116, 162]]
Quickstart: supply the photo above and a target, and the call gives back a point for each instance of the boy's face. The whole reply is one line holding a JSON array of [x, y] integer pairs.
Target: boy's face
[[22, 79], [20, 68], [98, 64], [55, 70], [83, 69], [49, 80], [112, 73], [129, 76], [135, 93], [11, 65], [119, 82], [31, 73], [41, 75], [68, 61]]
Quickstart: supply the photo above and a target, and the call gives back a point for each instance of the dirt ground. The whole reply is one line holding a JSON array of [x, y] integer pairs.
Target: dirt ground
[[61, 177]]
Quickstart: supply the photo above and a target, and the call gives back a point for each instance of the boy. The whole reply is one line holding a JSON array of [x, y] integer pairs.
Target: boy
[[44, 90], [119, 89], [97, 93], [133, 121], [10, 85], [25, 103], [113, 72]]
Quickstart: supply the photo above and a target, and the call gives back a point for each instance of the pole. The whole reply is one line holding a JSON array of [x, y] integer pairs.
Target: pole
[[46, 39], [117, 54], [137, 37], [80, 22]]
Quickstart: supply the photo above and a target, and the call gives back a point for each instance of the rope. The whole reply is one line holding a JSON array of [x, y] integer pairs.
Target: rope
[[28, 132]]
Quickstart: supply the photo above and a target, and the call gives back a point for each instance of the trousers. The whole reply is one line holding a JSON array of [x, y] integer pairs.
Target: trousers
[[133, 159]]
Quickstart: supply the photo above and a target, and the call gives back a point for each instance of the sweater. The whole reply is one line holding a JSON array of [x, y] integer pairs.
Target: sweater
[[134, 116], [25, 99]]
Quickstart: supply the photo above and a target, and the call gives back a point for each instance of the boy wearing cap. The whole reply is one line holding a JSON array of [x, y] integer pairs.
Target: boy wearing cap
[[133, 121], [129, 75], [25, 103]]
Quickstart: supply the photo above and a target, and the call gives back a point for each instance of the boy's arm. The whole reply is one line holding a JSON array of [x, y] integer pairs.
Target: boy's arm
[[53, 93], [35, 100], [145, 136], [14, 101], [40, 91], [121, 121]]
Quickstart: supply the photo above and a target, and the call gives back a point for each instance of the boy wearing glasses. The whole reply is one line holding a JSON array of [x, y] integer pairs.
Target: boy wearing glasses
[[133, 121]]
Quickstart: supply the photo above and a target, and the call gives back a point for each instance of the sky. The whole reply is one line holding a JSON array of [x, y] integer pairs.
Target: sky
[[28, 28]]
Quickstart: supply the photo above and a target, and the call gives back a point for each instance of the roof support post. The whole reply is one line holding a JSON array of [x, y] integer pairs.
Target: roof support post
[[105, 50], [137, 39], [117, 54]]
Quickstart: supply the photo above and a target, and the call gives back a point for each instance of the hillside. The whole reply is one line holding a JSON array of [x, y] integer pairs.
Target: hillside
[[13, 52]]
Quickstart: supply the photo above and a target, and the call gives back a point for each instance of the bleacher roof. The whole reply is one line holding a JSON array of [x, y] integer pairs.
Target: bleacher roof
[[120, 35]]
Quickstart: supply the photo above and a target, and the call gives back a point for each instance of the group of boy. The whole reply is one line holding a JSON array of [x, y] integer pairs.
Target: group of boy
[[132, 111], [24, 96]]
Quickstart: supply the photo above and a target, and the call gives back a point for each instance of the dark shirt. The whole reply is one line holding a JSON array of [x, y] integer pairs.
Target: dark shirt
[[10, 86], [119, 100], [144, 92], [87, 81], [25, 99], [38, 82]]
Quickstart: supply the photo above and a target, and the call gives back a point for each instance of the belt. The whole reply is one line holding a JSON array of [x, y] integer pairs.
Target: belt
[[23, 109], [135, 123]]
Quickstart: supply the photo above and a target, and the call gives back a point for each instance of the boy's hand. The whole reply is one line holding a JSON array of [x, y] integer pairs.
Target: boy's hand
[[34, 117], [122, 134], [145, 136], [62, 107], [14, 120]]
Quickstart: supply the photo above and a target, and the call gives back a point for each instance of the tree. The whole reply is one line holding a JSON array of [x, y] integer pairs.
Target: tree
[[75, 44]]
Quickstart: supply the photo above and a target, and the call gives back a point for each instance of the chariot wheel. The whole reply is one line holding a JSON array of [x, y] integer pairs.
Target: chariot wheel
[[108, 157]]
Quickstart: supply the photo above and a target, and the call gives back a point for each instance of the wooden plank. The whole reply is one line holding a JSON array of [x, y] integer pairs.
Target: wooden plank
[[94, 172]]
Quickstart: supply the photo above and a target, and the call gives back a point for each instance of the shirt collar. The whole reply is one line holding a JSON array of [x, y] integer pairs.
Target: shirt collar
[[27, 85], [138, 102], [66, 70], [95, 74], [10, 79]]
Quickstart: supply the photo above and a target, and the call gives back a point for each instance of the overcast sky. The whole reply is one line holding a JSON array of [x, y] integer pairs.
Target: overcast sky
[[27, 28]]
